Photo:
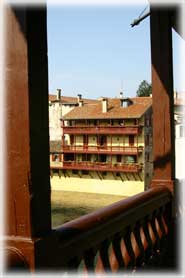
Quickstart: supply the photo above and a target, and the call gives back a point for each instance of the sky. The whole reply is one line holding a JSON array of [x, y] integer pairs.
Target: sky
[[92, 50]]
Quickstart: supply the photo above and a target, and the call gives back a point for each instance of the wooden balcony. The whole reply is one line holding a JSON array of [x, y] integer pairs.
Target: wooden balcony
[[130, 235], [101, 166], [126, 150], [55, 164], [101, 129], [133, 234]]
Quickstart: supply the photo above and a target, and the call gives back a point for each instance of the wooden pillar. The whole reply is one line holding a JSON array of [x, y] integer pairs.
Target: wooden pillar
[[111, 142], [162, 93], [75, 155], [27, 133], [63, 146], [63, 141]]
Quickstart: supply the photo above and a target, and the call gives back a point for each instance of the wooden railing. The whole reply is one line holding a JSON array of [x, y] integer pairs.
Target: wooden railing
[[102, 166], [101, 129], [102, 149], [130, 234]]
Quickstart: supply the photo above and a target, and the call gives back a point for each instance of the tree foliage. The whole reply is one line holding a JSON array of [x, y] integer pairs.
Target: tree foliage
[[144, 90]]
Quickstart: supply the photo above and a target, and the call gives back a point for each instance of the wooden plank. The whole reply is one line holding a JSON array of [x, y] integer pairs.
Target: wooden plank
[[162, 92]]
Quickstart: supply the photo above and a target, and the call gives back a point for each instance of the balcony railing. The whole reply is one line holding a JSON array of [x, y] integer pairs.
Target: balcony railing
[[131, 234], [102, 166], [104, 149], [101, 129], [55, 164]]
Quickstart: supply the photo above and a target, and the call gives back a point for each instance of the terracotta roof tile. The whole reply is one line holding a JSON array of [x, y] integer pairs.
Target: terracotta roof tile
[[115, 111], [52, 97], [66, 99]]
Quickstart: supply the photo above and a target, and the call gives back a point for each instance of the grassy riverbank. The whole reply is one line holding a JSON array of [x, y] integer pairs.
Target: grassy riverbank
[[67, 205]]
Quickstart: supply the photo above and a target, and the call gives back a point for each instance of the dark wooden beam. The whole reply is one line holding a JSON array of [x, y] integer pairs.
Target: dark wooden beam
[[27, 149], [162, 93]]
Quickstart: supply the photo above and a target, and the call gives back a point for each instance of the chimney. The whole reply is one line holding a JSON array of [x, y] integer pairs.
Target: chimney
[[79, 96], [121, 94], [58, 94], [104, 105], [81, 103], [175, 95]]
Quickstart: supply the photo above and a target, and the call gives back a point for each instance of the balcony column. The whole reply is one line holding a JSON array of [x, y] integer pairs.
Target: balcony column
[[137, 148], [162, 94], [74, 147], [63, 141], [111, 142], [98, 146], [28, 206], [62, 155], [111, 149]]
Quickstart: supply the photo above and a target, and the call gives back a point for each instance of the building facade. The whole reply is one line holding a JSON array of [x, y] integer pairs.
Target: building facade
[[110, 139], [59, 106]]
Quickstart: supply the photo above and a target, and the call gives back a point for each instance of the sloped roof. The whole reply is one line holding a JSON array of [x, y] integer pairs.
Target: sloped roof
[[114, 111], [66, 99]]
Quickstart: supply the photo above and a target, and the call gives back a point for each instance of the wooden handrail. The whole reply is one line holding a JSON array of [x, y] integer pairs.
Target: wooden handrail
[[129, 233], [101, 148], [99, 126], [101, 166], [101, 129], [145, 199]]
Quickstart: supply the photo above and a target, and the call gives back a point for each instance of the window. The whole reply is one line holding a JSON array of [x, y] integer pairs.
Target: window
[[56, 157], [119, 158], [85, 140], [182, 131], [69, 157], [121, 122], [103, 140], [131, 159], [131, 140], [103, 158], [71, 139]]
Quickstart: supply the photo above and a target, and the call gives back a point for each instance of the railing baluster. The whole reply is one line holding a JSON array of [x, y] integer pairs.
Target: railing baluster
[[104, 254], [89, 260], [129, 247], [122, 236], [116, 245], [141, 257], [149, 249]]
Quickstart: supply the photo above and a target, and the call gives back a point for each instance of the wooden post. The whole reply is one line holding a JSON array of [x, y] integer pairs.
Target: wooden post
[[27, 164], [162, 93]]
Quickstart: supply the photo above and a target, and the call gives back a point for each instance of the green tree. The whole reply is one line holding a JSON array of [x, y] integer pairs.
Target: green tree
[[144, 90]]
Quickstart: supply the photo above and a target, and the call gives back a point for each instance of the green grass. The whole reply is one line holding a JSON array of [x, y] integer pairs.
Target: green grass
[[67, 205]]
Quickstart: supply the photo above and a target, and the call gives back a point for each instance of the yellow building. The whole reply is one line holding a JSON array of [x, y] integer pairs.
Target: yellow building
[[109, 140]]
